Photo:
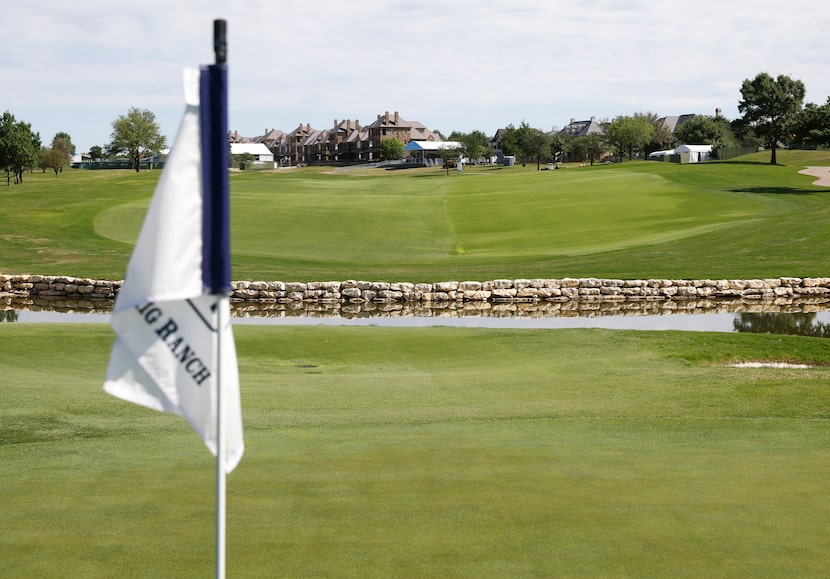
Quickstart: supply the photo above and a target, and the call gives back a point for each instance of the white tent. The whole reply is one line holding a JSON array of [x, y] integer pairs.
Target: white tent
[[697, 153], [660, 154], [258, 150]]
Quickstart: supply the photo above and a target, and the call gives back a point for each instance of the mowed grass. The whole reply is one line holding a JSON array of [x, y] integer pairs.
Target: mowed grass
[[634, 220], [378, 452]]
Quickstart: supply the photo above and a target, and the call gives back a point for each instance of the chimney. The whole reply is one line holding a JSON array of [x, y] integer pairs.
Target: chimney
[[356, 125], [717, 113], [348, 126], [396, 118], [307, 127], [335, 122], [387, 118], [573, 120], [593, 119]]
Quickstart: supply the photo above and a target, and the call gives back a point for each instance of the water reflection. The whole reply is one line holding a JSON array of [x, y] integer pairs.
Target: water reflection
[[8, 315], [806, 316], [796, 324]]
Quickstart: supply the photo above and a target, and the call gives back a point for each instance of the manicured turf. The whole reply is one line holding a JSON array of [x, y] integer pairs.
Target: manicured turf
[[378, 452], [635, 220]]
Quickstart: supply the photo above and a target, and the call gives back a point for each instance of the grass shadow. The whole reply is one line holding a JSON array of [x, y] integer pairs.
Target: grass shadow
[[733, 162], [776, 190]]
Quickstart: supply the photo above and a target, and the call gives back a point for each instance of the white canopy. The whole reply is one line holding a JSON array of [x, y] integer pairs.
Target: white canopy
[[432, 145]]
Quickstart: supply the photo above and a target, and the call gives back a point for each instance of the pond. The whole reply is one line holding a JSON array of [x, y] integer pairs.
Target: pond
[[808, 317]]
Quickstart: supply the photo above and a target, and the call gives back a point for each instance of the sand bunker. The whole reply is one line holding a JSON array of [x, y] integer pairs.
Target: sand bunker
[[823, 174]]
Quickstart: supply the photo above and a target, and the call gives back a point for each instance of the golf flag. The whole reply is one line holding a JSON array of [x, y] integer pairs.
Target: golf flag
[[174, 349]]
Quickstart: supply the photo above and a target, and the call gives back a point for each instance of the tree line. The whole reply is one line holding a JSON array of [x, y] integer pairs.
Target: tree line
[[135, 134], [773, 110]]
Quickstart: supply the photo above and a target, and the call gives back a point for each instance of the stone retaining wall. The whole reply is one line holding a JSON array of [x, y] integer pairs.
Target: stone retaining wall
[[494, 291]]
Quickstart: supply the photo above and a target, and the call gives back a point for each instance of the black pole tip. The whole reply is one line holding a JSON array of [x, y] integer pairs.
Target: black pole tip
[[220, 41]]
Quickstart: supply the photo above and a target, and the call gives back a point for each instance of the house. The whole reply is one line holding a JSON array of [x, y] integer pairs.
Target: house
[[582, 128], [345, 142], [394, 127], [672, 123]]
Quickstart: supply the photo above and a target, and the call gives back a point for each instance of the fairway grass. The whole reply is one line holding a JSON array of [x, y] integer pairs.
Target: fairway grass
[[742, 219], [378, 452]]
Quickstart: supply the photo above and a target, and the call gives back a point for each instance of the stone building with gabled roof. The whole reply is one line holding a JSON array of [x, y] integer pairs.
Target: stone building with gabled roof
[[345, 142], [393, 126], [582, 128]]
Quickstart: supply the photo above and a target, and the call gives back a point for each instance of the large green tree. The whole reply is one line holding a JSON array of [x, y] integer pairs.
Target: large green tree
[[771, 105], [510, 141], [19, 147], [536, 145], [812, 126], [702, 130], [136, 134], [590, 147], [96, 152], [628, 134], [475, 143]]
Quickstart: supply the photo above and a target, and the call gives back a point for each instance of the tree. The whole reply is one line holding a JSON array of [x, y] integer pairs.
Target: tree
[[590, 147], [475, 143], [510, 141], [629, 133], [59, 155], [662, 138], [96, 152], [812, 126], [66, 143], [447, 153], [524, 141], [391, 149], [536, 145], [701, 130], [54, 159], [771, 105], [137, 133], [556, 144], [19, 147]]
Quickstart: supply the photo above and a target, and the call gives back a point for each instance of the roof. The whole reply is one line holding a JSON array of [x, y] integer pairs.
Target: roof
[[582, 128], [673, 122], [252, 148], [694, 149], [431, 145]]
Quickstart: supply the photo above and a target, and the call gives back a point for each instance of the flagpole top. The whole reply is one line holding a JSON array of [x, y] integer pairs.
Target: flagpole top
[[220, 42]]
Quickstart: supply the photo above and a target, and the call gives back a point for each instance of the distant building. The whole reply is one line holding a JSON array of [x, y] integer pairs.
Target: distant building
[[582, 128], [345, 142]]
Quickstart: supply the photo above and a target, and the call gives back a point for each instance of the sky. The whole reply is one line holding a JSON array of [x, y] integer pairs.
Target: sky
[[452, 65]]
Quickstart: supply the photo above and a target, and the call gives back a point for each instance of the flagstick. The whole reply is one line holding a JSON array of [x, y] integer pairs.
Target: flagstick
[[220, 51], [220, 441]]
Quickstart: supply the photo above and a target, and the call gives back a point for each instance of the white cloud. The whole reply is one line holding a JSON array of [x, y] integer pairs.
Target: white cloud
[[467, 64]]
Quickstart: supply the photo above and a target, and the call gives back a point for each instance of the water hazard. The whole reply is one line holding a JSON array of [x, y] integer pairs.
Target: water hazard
[[808, 317]]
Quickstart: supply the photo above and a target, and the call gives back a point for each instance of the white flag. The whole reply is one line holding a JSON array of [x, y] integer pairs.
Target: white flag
[[166, 325]]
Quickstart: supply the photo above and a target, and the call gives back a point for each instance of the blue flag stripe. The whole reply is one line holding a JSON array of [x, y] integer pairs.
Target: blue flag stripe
[[216, 260]]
